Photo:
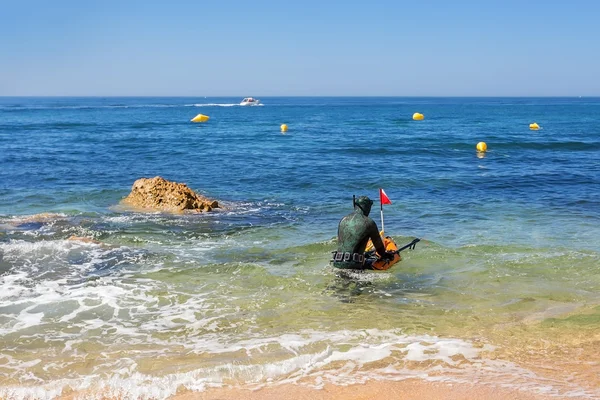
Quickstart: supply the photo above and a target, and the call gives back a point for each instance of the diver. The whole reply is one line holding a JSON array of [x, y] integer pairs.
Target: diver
[[354, 232]]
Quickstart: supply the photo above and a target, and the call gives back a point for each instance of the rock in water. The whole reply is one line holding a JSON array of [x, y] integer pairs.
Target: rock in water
[[160, 194]]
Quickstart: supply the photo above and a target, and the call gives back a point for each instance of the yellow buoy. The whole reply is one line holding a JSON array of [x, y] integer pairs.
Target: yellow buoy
[[481, 146], [200, 118], [534, 126], [283, 128], [418, 116]]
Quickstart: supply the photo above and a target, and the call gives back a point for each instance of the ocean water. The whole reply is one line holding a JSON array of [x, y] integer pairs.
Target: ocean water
[[504, 287]]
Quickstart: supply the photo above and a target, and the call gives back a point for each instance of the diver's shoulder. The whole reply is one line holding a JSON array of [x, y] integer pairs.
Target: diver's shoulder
[[370, 221]]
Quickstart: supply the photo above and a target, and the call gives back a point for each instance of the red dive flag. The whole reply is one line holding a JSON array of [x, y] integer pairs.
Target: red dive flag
[[383, 197]]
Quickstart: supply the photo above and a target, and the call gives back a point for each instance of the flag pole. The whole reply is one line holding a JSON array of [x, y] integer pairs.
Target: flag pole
[[381, 206], [382, 197]]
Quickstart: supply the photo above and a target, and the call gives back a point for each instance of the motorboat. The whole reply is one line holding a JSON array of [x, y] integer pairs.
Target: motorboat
[[250, 101]]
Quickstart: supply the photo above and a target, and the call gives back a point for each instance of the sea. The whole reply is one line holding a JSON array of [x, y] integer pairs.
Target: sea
[[503, 288]]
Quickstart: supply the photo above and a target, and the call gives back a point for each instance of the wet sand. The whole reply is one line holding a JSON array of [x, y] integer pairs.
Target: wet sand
[[405, 390], [573, 371], [409, 389]]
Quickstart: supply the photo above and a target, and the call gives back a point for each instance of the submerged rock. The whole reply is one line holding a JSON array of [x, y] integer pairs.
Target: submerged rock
[[83, 239], [160, 194]]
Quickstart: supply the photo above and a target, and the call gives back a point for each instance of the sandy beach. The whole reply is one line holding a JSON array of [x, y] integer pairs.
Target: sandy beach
[[555, 372], [407, 390], [410, 389]]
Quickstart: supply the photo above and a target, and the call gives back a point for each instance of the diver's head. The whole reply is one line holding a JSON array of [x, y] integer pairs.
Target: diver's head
[[364, 203]]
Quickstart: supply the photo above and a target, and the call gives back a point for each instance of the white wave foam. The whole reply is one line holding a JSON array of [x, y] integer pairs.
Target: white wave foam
[[343, 359], [214, 105], [44, 279], [90, 107], [21, 247], [42, 217]]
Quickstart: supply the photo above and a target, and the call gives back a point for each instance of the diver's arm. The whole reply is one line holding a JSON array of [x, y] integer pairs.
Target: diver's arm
[[376, 238]]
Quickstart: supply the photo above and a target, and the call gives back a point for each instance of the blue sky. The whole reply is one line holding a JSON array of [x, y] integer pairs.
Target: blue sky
[[287, 48]]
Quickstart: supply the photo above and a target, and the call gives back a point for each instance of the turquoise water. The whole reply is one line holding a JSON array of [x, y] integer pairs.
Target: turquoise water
[[510, 256]]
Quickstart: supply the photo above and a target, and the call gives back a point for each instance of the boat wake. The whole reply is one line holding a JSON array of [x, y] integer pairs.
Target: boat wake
[[214, 105]]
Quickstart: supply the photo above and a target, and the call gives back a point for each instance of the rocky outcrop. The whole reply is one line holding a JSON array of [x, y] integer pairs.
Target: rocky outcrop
[[160, 194]]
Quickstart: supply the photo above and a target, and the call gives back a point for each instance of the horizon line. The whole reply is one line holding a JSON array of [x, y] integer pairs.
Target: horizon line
[[313, 96]]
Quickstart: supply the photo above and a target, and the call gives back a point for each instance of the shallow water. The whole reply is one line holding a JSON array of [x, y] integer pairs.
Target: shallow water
[[503, 287]]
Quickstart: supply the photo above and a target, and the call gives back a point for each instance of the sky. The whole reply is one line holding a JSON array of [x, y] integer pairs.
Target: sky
[[299, 48]]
